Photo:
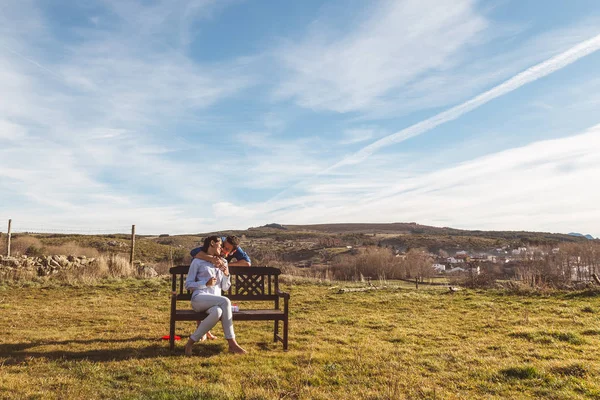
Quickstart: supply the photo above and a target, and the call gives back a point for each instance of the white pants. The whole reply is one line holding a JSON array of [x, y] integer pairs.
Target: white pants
[[217, 307]]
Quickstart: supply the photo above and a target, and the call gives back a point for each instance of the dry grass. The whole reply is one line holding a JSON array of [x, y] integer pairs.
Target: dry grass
[[103, 341], [71, 249], [106, 266], [33, 246], [22, 244]]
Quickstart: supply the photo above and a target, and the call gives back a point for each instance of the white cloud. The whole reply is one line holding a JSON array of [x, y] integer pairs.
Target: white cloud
[[531, 74], [88, 123], [89, 129], [11, 132], [403, 58], [396, 44], [545, 185], [270, 160], [357, 135]]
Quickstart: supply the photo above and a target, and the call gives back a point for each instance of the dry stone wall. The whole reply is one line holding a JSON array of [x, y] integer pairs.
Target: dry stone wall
[[24, 266]]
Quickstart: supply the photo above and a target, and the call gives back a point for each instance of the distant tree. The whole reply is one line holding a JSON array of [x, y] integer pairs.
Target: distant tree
[[417, 264]]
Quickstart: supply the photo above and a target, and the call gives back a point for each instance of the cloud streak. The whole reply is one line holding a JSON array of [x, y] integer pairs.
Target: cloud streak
[[397, 43], [530, 75], [548, 184]]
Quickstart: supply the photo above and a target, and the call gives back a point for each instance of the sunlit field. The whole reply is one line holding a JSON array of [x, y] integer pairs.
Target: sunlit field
[[104, 341]]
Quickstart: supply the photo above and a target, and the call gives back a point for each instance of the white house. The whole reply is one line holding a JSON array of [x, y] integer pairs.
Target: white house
[[439, 268]]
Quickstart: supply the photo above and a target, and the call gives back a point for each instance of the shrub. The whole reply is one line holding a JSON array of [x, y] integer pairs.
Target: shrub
[[71, 249], [21, 244], [484, 280], [381, 263], [119, 266], [162, 267]]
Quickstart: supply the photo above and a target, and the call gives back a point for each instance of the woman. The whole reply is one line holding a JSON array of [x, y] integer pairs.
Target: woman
[[206, 282]]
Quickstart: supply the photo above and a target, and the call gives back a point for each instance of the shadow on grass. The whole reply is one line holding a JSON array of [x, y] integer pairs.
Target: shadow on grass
[[18, 353], [583, 294]]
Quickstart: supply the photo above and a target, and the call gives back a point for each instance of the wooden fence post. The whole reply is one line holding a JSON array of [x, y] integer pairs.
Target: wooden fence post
[[8, 238], [132, 245]]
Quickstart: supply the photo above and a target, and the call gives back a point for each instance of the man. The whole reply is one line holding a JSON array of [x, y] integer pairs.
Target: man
[[231, 251]]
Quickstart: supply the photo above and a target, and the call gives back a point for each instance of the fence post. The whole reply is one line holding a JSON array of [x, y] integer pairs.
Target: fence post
[[8, 238], [132, 245]]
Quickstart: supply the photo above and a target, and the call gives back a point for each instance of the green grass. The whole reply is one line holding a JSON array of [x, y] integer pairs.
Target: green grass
[[103, 341]]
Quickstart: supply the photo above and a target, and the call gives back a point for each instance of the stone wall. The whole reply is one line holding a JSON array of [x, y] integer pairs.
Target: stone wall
[[24, 266]]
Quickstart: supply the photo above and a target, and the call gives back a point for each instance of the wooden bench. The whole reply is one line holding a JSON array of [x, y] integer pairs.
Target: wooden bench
[[247, 284]]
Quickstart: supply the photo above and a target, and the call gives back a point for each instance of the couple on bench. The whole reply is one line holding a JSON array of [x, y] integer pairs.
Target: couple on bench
[[207, 276]]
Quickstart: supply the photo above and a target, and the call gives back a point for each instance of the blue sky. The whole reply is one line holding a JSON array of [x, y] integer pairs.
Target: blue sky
[[199, 115]]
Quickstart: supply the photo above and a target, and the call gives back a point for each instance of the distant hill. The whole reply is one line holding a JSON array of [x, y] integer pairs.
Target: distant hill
[[417, 229], [588, 236], [416, 232], [275, 226]]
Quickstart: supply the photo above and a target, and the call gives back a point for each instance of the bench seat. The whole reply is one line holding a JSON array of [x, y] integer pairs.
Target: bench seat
[[242, 315]]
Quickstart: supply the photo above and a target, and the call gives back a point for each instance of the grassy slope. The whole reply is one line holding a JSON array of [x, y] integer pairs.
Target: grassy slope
[[103, 342]]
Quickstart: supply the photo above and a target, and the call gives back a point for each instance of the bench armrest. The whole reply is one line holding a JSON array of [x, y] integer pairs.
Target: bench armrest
[[286, 300]]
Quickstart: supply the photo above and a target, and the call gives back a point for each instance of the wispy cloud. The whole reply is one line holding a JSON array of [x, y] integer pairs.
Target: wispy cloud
[[270, 160], [125, 114], [357, 135], [94, 117], [506, 190], [399, 57], [397, 43], [530, 75]]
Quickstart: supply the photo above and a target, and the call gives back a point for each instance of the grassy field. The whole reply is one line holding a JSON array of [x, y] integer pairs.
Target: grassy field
[[103, 341]]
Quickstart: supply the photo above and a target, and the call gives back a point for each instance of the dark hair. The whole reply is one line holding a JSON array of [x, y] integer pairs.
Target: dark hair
[[234, 240], [207, 241]]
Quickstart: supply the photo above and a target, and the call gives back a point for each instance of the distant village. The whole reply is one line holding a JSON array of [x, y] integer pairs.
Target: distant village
[[507, 262]]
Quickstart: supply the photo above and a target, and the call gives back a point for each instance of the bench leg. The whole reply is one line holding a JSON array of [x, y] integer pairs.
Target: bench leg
[[172, 335], [275, 331], [285, 333]]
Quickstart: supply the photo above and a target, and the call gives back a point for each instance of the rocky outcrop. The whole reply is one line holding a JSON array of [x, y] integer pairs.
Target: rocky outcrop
[[145, 271]]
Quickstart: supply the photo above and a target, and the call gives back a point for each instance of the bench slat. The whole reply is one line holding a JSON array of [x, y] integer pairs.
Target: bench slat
[[246, 315]]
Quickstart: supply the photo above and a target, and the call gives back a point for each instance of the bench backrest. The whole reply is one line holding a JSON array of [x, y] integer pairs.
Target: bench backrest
[[247, 283]]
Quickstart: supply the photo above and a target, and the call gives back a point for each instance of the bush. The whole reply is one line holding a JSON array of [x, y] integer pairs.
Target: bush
[[119, 266], [112, 266], [71, 249], [375, 263], [485, 280], [381, 263], [21, 244]]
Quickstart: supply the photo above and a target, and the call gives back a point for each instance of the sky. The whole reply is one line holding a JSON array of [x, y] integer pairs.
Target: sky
[[188, 116]]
